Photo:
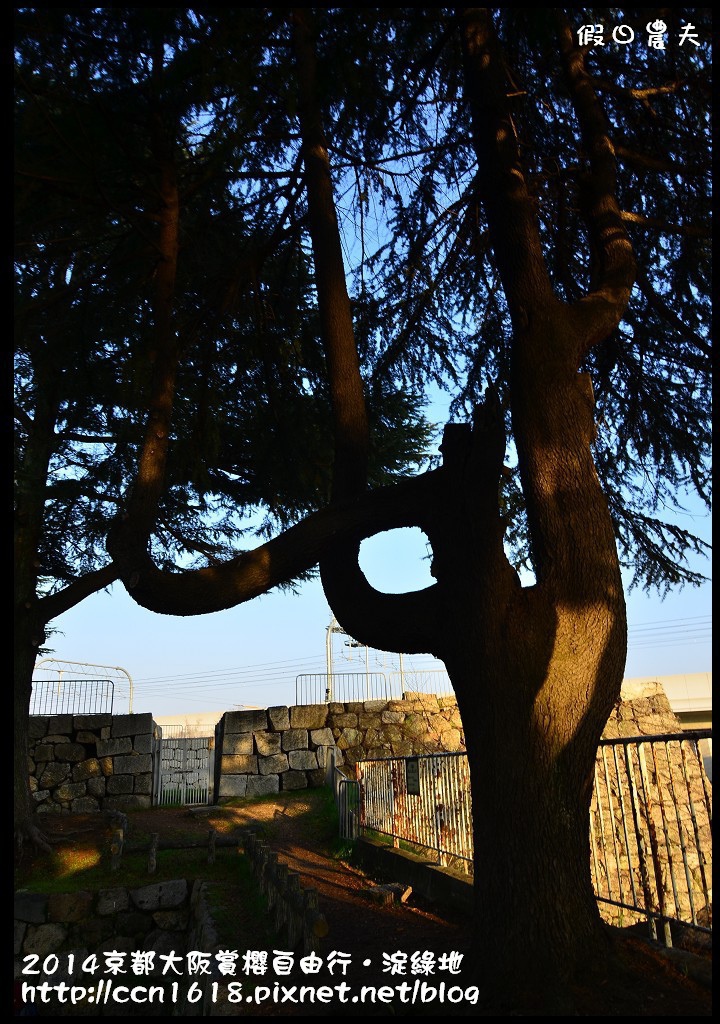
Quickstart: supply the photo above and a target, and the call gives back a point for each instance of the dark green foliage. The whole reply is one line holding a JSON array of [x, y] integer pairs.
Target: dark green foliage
[[104, 96]]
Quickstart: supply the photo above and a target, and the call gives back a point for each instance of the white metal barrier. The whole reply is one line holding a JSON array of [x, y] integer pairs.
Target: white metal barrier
[[650, 822]]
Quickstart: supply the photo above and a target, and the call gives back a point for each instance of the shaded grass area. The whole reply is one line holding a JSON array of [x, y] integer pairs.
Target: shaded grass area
[[86, 868], [81, 859]]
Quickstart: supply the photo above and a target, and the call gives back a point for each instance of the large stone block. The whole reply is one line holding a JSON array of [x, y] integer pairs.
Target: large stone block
[[143, 744], [88, 769], [132, 764], [415, 725], [109, 748], [84, 805], [31, 907], [70, 791], [96, 787], [321, 738], [308, 716], [263, 785], [392, 717], [379, 751], [126, 802], [171, 920], [344, 720], [53, 775], [349, 738], [354, 754], [60, 725], [92, 722], [369, 720], [273, 765], [245, 721], [110, 901], [88, 738], [119, 784], [294, 780], [391, 733], [451, 740], [161, 895], [37, 726], [316, 778], [136, 922], [447, 702], [239, 764], [131, 725], [396, 705], [375, 705], [76, 906], [303, 760], [70, 752], [233, 785], [267, 743], [44, 939], [143, 784], [44, 752], [295, 739], [241, 743], [279, 717]]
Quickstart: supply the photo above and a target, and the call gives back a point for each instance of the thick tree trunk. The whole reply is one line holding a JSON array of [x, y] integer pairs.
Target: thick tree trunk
[[531, 761], [27, 832], [536, 672]]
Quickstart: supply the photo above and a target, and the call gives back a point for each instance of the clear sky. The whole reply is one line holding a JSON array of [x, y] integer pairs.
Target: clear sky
[[252, 654]]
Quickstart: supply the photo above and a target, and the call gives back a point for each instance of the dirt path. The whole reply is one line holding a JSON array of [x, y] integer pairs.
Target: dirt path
[[298, 828]]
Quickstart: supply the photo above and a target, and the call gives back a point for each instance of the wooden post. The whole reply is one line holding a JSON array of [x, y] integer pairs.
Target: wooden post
[[116, 848], [152, 855]]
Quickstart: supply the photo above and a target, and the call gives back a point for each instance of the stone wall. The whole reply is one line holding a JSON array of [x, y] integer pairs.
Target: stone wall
[[280, 748], [65, 931], [83, 763], [643, 710]]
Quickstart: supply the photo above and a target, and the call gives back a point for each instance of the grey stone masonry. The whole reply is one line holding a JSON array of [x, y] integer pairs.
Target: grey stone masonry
[[82, 763], [286, 748], [71, 927]]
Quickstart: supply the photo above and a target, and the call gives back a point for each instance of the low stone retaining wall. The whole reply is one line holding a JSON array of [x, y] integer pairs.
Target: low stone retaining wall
[[280, 748], [84, 763], [152, 917], [293, 909]]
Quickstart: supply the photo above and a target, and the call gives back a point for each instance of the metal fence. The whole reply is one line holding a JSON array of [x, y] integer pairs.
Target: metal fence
[[423, 800], [650, 823], [185, 770], [431, 680], [72, 697], [344, 687], [349, 687]]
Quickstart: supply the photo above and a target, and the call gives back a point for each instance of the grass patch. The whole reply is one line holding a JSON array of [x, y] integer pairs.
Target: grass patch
[[239, 909], [71, 870]]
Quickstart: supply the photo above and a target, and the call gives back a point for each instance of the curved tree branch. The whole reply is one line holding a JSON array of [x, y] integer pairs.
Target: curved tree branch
[[278, 561]]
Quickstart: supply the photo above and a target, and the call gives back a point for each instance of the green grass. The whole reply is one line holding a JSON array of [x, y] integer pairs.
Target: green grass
[[77, 869]]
